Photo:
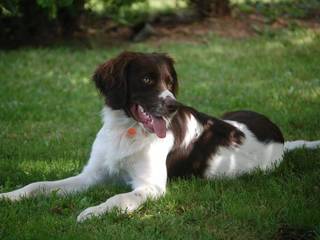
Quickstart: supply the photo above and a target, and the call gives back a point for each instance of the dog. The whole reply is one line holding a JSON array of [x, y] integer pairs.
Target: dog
[[148, 137]]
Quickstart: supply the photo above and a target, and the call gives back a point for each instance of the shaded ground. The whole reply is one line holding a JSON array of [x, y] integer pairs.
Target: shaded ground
[[103, 32], [230, 27], [106, 33]]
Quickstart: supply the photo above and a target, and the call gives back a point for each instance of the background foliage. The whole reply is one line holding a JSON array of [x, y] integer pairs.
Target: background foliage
[[22, 19]]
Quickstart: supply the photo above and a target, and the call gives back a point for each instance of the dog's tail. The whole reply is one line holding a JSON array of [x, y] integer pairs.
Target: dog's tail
[[291, 145]]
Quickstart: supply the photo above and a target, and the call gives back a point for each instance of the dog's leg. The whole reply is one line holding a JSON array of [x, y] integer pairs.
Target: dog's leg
[[125, 202], [148, 173], [69, 185], [93, 173]]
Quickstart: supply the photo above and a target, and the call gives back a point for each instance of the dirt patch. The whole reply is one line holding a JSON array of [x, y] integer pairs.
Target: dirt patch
[[226, 27], [108, 33], [230, 27]]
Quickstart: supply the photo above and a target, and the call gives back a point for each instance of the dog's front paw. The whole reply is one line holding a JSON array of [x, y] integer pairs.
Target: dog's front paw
[[125, 203], [11, 196], [90, 212]]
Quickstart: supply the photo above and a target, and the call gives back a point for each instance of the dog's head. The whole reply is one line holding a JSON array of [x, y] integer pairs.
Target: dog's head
[[144, 85]]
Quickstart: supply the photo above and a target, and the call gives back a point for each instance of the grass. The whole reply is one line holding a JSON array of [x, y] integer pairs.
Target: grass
[[50, 115]]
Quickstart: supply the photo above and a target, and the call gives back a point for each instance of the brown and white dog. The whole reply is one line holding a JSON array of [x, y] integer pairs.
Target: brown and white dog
[[148, 137]]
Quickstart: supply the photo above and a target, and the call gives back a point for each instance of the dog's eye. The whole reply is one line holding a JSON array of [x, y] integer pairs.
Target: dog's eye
[[147, 80]]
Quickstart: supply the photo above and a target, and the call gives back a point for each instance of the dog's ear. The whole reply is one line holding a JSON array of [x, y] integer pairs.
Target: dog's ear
[[170, 62], [111, 80]]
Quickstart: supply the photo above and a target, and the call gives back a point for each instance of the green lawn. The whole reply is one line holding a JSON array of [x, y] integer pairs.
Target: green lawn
[[49, 115]]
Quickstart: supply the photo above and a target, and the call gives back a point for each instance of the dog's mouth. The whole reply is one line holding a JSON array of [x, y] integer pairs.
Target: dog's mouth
[[154, 124]]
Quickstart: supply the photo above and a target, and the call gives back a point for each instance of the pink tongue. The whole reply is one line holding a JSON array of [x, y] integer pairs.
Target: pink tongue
[[159, 126]]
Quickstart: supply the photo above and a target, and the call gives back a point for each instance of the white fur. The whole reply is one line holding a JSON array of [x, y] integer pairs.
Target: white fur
[[193, 131], [166, 93], [163, 95], [288, 146], [252, 154]]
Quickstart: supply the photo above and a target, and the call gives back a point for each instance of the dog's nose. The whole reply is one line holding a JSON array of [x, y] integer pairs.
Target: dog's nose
[[170, 104]]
